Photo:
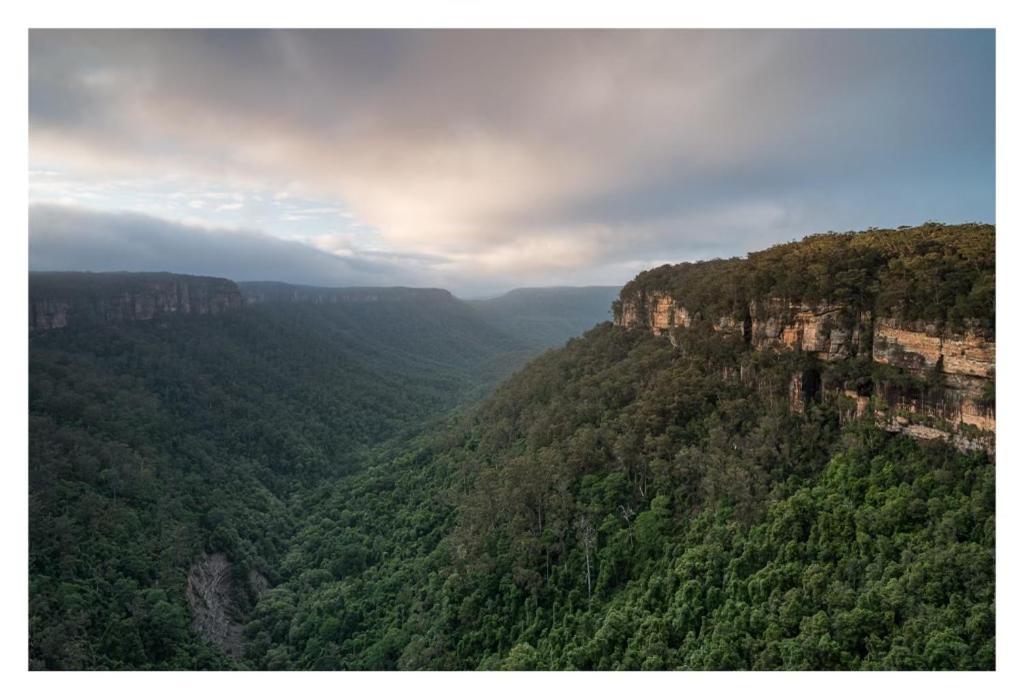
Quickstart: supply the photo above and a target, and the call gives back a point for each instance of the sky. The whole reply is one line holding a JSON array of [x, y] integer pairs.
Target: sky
[[482, 160]]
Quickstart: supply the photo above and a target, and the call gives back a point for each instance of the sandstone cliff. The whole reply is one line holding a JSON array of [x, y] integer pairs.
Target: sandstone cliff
[[944, 381], [61, 299]]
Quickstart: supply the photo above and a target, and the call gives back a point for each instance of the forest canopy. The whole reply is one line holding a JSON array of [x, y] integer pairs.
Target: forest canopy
[[934, 272], [618, 503]]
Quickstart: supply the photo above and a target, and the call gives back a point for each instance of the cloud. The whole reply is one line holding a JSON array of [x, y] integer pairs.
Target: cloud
[[72, 238], [533, 152]]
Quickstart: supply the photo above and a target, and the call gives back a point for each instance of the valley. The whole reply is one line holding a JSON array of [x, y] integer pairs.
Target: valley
[[782, 461]]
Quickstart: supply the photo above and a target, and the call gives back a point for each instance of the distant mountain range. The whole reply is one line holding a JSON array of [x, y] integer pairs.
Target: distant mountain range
[[546, 317], [538, 318]]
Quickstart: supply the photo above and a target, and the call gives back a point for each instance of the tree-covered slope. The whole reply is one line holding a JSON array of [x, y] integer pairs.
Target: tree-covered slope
[[938, 273], [622, 505], [627, 503], [153, 441]]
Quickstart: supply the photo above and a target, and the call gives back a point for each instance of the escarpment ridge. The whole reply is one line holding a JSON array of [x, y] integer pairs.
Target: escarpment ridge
[[281, 292], [900, 322], [61, 299]]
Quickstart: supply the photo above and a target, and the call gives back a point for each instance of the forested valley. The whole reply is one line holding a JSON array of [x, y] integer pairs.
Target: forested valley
[[395, 485]]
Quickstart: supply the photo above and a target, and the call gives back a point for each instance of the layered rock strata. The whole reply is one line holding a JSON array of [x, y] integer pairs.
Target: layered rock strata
[[59, 300], [954, 373]]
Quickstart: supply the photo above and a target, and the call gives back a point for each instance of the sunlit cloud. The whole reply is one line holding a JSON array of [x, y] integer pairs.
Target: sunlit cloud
[[518, 157], [76, 238]]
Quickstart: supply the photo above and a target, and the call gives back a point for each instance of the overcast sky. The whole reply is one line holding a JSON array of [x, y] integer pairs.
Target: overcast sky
[[484, 160]]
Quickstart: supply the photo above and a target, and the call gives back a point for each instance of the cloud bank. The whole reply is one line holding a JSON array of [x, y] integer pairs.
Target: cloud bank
[[70, 238], [557, 156]]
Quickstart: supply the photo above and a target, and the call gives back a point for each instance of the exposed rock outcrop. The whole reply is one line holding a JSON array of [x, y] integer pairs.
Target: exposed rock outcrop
[[826, 331], [921, 346], [954, 372], [656, 311], [62, 299], [209, 594], [215, 599], [961, 367]]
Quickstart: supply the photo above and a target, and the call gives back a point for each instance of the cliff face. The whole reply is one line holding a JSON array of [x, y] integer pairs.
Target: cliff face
[[825, 331], [951, 374], [962, 368], [655, 311], [61, 299]]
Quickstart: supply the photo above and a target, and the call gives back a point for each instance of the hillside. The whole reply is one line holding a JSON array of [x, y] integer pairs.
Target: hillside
[[628, 502], [772, 462], [156, 440], [546, 317]]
